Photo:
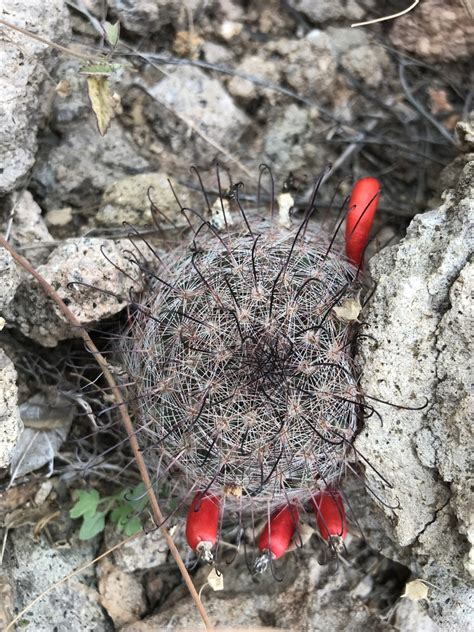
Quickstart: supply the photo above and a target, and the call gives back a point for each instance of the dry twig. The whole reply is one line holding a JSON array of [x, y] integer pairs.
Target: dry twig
[[127, 422]]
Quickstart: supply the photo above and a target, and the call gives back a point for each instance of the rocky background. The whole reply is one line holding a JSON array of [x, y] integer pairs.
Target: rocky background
[[290, 84]]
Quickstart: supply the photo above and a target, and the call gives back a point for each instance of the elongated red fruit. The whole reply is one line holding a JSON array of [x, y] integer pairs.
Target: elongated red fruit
[[278, 532], [202, 525], [331, 517], [362, 207]]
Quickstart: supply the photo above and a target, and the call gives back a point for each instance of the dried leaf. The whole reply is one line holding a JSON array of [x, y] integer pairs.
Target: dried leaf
[[25, 515], [349, 310], [44, 521], [215, 580], [187, 44], [101, 101], [416, 590], [63, 88], [14, 497], [440, 103], [48, 410], [43, 492]]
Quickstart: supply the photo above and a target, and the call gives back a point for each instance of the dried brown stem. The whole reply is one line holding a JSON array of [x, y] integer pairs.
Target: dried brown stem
[[127, 422], [43, 40]]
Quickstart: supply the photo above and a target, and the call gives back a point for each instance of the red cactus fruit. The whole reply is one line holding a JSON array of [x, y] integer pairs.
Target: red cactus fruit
[[202, 525], [362, 207]]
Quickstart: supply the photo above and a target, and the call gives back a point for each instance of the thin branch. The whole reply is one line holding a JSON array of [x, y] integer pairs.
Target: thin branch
[[441, 129], [387, 17], [43, 40], [127, 422]]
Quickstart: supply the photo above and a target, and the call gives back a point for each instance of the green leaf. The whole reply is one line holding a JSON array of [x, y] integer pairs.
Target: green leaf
[[92, 526], [104, 69], [112, 32], [86, 503], [138, 497], [121, 515], [101, 101], [133, 526]]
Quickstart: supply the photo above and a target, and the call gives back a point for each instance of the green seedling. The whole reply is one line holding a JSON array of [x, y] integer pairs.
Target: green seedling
[[122, 508]]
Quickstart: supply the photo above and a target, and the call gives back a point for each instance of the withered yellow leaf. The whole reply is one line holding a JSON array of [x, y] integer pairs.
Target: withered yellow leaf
[[349, 310], [102, 101]]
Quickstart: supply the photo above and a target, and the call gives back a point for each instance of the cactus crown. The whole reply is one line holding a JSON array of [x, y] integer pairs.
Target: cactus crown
[[241, 365]]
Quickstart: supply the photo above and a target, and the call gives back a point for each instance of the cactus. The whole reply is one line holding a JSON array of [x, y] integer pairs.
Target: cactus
[[240, 359]]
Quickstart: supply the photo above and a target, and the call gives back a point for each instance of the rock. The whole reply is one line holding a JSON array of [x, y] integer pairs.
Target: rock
[[309, 66], [329, 10], [343, 39], [217, 54], [10, 277], [411, 617], [24, 83], [368, 63], [229, 29], [149, 16], [449, 419], [140, 554], [121, 594], [59, 217], [76, 260], [70, 99], [253, 65], [465, 134], [127, 201], [29, 228], [310, 597], [436, 31], [289, 140], [73, 605], [11, 425], [83, 164], [200, 100], [419, 316]]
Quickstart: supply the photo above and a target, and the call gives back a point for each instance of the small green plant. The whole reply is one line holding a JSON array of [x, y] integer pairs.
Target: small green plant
[[123, 509]]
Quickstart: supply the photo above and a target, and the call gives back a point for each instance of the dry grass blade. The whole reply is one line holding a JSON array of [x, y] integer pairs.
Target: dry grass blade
[[387, 17], [126, 419], [70, 576]]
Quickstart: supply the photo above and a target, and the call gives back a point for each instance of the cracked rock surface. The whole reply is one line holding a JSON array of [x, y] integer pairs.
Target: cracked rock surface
[[25, 71], [80, 262], [37, 565], [419, 316], [10, 421]]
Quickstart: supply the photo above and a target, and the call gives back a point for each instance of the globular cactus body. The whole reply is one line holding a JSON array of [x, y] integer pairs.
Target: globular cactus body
[[241, 361]]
